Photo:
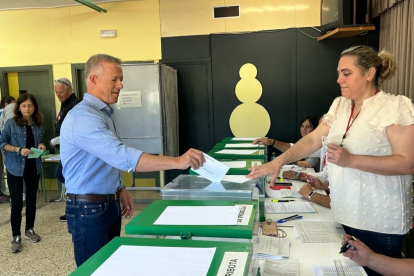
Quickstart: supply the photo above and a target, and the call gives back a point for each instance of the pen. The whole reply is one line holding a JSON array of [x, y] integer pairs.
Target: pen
[[279, 200], [346, 246], [289, 218]]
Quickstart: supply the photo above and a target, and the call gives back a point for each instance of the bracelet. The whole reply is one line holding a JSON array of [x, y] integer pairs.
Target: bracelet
[[20, 150], [297, 175], [14, 150], [274, 141], [311, 194]]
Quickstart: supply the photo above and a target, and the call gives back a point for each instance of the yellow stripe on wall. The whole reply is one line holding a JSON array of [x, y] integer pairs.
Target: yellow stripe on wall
[[13, 81]]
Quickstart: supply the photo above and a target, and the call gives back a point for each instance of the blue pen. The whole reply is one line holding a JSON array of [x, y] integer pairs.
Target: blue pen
[[289, 218], [258, 187]]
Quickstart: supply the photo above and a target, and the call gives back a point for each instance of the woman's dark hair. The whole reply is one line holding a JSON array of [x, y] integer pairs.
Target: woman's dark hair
[[18, 116], [313, 121]]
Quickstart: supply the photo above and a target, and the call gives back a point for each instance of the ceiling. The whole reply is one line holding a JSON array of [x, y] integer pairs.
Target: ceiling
[[35, 4]]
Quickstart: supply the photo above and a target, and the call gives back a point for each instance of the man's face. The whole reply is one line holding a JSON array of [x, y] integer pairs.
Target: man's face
[[109, 82], [62, 92]]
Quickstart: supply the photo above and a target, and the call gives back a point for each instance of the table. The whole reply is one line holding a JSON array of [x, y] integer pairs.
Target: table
[[48, 161]]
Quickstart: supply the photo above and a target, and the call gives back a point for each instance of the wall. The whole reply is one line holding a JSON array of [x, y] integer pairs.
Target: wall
[[189, 17], [62, 36]]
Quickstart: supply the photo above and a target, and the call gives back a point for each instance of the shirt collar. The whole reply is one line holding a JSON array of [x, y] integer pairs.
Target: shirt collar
[[98, 103]]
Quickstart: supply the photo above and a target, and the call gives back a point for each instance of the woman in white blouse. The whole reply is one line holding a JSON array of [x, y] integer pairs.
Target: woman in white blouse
[[370, 152]]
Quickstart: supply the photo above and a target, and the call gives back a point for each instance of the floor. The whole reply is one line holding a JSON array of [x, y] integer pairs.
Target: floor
[[53, 255]]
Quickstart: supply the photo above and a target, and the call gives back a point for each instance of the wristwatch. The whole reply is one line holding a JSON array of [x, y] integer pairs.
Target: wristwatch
[[297, 175], [311, 194]]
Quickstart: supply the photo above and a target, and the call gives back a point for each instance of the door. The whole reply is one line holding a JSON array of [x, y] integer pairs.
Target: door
[[37, 83]]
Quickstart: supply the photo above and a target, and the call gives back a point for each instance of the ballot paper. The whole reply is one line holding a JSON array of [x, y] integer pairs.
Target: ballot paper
[[236, 178], [289, 207], [172, 261], [212, 169], [53, 158], [281, 267], [199, 215], [237, 151], [243, 145], [332, 271], [271, 247], [317, 231], [36, 153], [235, 164], [244, 138]]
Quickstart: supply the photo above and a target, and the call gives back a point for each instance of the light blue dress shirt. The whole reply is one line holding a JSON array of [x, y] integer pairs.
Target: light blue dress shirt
[[92, 153]]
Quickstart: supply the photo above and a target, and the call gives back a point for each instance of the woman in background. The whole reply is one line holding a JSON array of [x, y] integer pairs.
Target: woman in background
[[19, 135]]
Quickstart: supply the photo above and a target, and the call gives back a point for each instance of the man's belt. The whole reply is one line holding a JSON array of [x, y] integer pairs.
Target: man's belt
[[94, 197]]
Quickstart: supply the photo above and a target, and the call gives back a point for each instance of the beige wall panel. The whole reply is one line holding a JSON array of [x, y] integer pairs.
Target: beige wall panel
[[71, 34], [189, 17], [186, 17]]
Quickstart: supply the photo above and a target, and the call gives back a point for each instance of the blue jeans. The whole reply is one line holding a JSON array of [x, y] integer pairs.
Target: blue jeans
[[387, 244], [92, 225]]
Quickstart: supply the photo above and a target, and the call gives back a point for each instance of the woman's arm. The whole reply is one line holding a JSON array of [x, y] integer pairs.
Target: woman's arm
[[282, 146], [401, 162]]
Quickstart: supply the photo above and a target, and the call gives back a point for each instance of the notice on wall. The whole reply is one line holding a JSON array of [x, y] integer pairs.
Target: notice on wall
[[129, 99]]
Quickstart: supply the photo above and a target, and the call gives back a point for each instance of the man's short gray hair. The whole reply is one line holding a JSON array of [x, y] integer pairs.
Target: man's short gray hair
[[94, 64], [65, 82]]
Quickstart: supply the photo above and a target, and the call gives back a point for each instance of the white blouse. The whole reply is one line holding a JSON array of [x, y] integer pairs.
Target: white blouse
[[360, 199]]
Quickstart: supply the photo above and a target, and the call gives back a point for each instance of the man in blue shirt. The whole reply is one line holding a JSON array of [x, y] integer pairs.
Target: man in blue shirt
[[93, 156]]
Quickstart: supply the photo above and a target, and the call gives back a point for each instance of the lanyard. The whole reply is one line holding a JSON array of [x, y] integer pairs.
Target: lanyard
[[349, 121]]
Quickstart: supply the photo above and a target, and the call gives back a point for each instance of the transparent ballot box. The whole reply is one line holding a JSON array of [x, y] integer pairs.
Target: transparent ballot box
[[199, 188]]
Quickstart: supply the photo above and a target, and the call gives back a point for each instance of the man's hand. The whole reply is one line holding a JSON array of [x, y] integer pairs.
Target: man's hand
[[127, 205], [271, 168], [263, 141], [192, 158], [338, 155]]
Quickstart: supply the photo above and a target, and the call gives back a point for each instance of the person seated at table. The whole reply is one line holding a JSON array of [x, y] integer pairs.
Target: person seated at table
[[316, 181], [307, 125], [387, 266]]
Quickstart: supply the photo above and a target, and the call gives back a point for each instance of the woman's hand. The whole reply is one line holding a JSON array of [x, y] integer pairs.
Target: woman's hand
[[314, 182], [271, 168], [42, 147], [25, 152], [305, 190], [263, 141], [338, 155]]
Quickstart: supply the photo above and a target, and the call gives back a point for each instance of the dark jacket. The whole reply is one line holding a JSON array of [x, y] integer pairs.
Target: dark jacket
[[64, 109]]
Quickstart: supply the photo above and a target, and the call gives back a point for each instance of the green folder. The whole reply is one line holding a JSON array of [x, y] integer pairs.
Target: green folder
[[143, 223], [258, 155], [94, 262]]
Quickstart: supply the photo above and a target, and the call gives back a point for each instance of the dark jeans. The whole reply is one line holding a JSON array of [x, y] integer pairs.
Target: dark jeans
[[387, 244], [31, 179], [92, 225]]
